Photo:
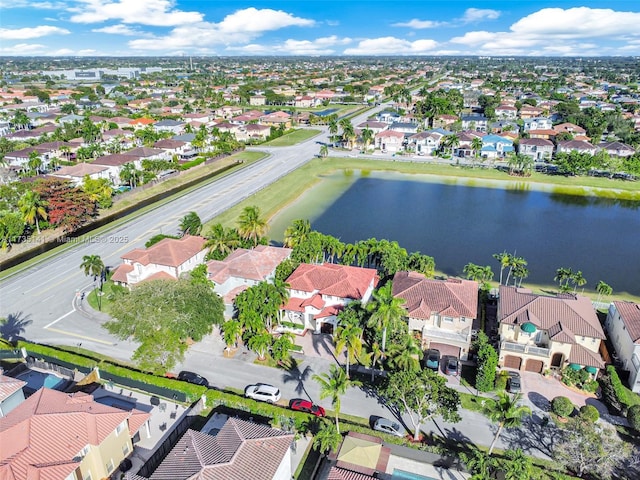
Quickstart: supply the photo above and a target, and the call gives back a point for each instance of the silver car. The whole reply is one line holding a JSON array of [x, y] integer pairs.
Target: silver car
[[262, 392], [388, 426]]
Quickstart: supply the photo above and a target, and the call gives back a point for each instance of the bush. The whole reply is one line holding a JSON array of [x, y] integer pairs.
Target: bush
[[589, 413], [633, 417], [562, 407], [618, 389], [574, 377], [501, 380], [192, 163]]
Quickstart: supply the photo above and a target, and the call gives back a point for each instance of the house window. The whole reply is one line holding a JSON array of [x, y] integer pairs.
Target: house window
[[110, 466], [125, 449], [448, 319], [87, 476], [120, 428], [511, 328]]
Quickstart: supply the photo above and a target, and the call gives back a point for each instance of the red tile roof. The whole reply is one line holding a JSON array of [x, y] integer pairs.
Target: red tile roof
[[334, 280], [41, 436], [241, 450], [630, 316], [255, 264], [583, 356], [337, 473], [9, 386], [169, 251], [424, 296]]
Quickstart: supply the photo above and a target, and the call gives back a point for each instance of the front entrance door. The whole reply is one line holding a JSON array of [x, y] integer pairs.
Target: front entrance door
[[556, 360]]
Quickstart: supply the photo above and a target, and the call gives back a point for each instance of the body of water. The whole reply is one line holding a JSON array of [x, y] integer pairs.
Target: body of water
[[457, 223]]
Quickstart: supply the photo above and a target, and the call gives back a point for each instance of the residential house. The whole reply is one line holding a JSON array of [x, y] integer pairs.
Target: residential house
[[465, 144], [115, 163], [444, 120], [375, 127], [389, 141], [77, 173], [388, 117], [146, 153], [537, 123], [623, 329], [476, 122], [495, 146], [504, 126], [174, 147], [306, 101], [276, 119], [255, 131], [569, 128], [252, 116], [617, 149], [174, 126], [228, 111], [506, 112], [242, 269], [55, 435], [167, 259], [539, 149], [425, 143], [442, 312], [257, 100], [240, 450], [11, 393], [547, 134], [540, 332], [317, 293], [579, 146], [143, 122], [529, 111]]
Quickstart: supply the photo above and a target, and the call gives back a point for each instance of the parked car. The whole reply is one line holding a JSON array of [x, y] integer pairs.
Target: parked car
[[262, 392], [432, 359], [513, 382], [192, 377], [306, 406], [451, 366], [387, 426]]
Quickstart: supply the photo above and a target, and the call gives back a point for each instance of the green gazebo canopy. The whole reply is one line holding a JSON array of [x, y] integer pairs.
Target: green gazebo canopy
[[592, 370], [574, 366], [528, 327]]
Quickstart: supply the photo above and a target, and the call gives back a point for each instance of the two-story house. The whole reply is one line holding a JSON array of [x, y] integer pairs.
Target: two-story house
[[442, 311], [579, 146], [539, 149], [496, 146], [537, 123], [317, 293], [242, 269], [61, 436], [389, 141], [540, 332], [167, 259], [478, 123], [623, 327]]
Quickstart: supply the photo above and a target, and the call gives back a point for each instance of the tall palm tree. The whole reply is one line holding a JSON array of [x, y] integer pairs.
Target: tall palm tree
[[92, 265], [367, 137], [260, 344], [563, 274], [334, 384], [191, 224], [32, 208], [506, 412], [517, 268], [407, 354], [327, 439], [578, 280], [476, 145], [333, 127], [296, 233], [505, 259], [349, 338], [231, 331], [603, 289], [324, 151], [387, 310], [130, 174], [222, 240], [251, 225]]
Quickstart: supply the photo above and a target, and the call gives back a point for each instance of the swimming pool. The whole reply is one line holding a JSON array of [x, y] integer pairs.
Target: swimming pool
[[36, 380], [402, 475], [116, 402]]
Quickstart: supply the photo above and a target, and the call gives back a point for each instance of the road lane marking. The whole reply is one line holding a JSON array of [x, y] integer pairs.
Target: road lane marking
[[60, 318], [77, 335]]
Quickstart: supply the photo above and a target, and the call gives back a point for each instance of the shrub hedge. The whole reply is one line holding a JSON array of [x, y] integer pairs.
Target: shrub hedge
[[633, 417], [589, 413], [192, 163], [562, 406], [620, 392]]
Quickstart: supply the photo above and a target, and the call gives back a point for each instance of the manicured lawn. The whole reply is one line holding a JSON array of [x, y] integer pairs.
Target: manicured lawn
[[473, 402], [292, 138], [105, 298]]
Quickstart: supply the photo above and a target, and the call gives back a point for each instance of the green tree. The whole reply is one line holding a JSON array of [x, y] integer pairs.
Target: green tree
[[633, 417], [562, 406], [386, 311], [99, 190], [231, 331], [11, 228], [517, 465], [191, 224], [349, 337], [251, 225], [505, 259], [506, 412], [603, 289], [32, 208], [563, 276], [221, 241], [296, 233], [260, 343], [327, 439], [324, 151], [130, 175], [93, 266], [367, 138], [422, 394], [487, 363], [405, 355], [334, 384], [282, 346]]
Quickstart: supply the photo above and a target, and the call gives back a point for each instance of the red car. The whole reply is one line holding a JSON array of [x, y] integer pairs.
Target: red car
[[306, 406]]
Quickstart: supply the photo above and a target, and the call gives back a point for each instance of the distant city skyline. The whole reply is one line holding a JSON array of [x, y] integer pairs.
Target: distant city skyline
[[318, 27]]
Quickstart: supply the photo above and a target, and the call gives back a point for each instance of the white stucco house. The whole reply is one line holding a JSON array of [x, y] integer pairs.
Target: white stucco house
[[167, 259], [317, 293], [623, 329]]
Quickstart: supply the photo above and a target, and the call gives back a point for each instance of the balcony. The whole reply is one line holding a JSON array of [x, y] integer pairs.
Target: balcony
[[526, 349], [462, 337]]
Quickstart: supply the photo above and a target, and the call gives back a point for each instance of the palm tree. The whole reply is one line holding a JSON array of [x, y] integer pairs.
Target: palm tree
[[191, 224], [327, 439], [296, 233], [324, 151], [260, 344], [130, 174], [93, 266], [563, 274], [32, 208], [222, 240], [603, 289], [367, 137], [334, 384], [387, 310], [505, 259], [347, 131], [506, 412], [34, 163], [517, 267], [251, 225], [518, 465], [476, 145], [349, 337], [333, 128], [231, 331], [578, 280], [406, 355]]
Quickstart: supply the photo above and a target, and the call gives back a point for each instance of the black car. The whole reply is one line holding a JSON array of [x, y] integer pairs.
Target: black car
[[192, 377], [432, 359], [513, 382]]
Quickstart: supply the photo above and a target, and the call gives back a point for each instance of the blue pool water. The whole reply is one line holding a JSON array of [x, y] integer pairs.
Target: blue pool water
[[36, 380], [402, 475]]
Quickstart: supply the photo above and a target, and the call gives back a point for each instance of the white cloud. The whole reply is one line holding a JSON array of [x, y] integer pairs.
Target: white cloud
[[392, 46], [62, 52], [254, 20], [159, 13], [31, 32], [119, 29], [419, 24], [477, 14], [35, 5], [319, 46], [23, 49]]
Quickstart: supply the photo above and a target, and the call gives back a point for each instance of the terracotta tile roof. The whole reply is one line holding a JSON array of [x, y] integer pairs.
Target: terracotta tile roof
[[41, 436], [585, 357], [80, 170], [424, 296], [159, 276], [335, 280], [575, 145], [390, 134], [539, 142], [241, 450], [169, 251], [569, 315], [144, 152], [120, 273], [167, 143], [9, 386], [630, 316], [115, 159], [255, 264]]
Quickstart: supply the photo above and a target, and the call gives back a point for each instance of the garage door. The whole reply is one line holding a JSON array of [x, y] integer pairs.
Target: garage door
[[534, 366], [512, 362]]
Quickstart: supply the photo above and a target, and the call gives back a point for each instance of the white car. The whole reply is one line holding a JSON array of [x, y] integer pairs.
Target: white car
[[262, 392], [387, 426]]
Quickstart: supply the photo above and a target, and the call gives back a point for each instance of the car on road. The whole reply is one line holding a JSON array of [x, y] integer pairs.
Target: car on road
[[263, 392], [303, 405], [192, 377], [451, 366], [388, 426], [513, 382], [432, 359]]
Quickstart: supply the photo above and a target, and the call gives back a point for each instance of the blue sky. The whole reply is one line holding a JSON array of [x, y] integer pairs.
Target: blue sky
[[325, 27]]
